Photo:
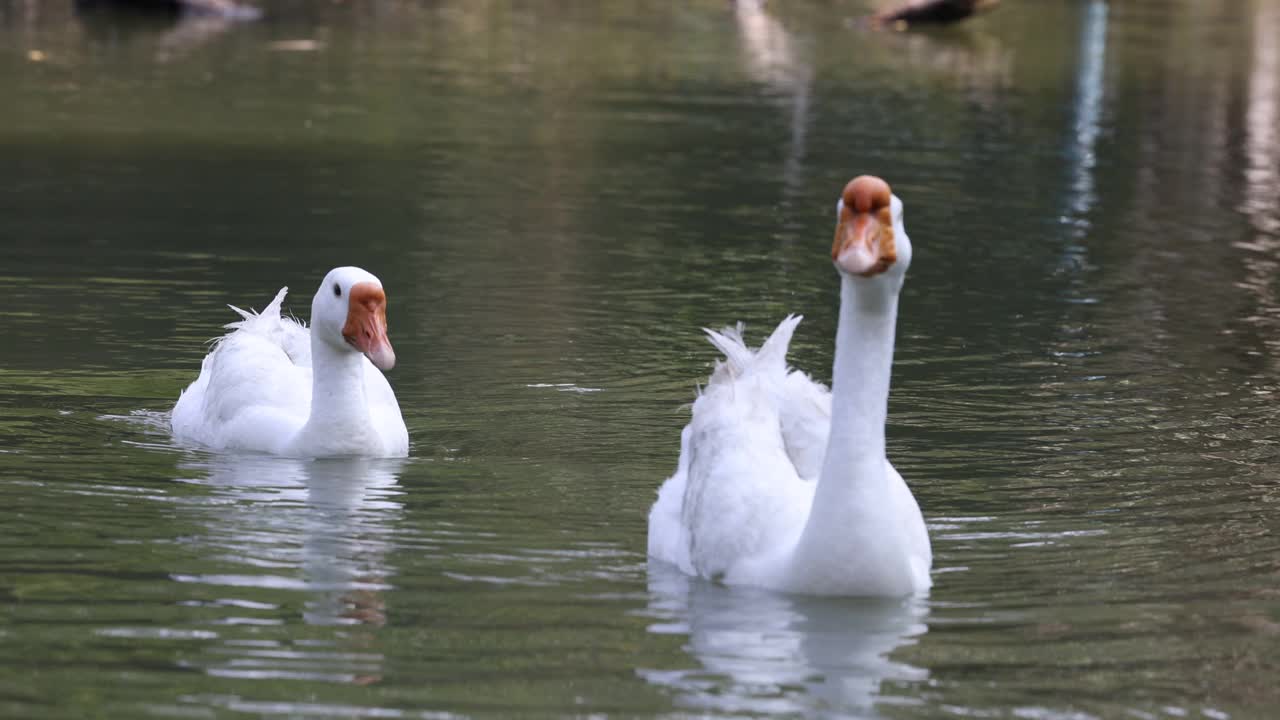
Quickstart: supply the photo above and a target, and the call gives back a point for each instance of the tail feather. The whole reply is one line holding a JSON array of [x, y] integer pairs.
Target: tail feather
[[770, 357], [729, 341], [272, 311]]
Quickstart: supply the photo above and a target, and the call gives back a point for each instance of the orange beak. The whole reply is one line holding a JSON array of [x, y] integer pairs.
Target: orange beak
[[864, 231], [366, 327]]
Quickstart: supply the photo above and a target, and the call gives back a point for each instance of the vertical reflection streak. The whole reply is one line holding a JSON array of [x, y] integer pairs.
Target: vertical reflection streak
[[1088, 108], [771, 60], [1262, 173]]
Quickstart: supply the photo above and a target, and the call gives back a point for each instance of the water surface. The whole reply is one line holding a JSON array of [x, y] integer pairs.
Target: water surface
[[557, 197]]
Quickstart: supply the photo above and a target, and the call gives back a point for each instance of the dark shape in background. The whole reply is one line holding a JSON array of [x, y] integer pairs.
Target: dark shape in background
[[930, 12], [168, 8]]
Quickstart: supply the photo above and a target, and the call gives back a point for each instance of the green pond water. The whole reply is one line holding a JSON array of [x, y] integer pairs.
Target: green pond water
[[557, 196]]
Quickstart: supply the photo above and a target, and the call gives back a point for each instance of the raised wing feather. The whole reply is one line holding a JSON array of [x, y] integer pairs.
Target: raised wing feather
[[736, 493], [803, 404], [254, 388]]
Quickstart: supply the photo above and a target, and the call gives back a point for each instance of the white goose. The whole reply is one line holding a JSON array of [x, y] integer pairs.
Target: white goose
[[272, 386], [784, 485]]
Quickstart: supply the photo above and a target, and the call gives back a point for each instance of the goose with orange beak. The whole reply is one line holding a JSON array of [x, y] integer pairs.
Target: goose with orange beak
[[783, 484], [864, 243], [274, 385], [366, 325]]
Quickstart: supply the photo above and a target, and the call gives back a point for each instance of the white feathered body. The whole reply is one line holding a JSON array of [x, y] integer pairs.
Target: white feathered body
[[255, 389], [743, 490]]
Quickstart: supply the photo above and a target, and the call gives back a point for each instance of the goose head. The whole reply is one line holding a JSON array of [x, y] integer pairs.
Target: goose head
[[349, 314], [870, 241]]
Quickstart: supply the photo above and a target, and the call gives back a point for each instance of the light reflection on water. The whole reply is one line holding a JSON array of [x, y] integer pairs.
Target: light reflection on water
[[761, 652], [1083, 396], [328, 519]]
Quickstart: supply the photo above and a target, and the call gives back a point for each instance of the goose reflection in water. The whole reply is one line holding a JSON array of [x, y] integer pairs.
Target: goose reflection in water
[[326, 517], [766, 652], [316, 527]]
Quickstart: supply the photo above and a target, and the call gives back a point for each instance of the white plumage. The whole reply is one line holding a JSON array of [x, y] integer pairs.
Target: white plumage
[[781, 484], [273, 385]]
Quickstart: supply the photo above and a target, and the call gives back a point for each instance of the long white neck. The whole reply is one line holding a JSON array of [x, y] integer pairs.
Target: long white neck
[[339, 411], [853, 473]]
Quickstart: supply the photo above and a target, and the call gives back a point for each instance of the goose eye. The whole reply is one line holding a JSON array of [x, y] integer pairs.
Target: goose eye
[[337, 290]]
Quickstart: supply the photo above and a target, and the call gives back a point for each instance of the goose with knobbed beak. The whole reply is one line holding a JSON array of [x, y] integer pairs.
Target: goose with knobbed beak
[[783, 484], [273, 385]]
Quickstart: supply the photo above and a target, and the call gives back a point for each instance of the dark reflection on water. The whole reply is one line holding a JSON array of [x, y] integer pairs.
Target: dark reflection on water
[[557, 198]]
